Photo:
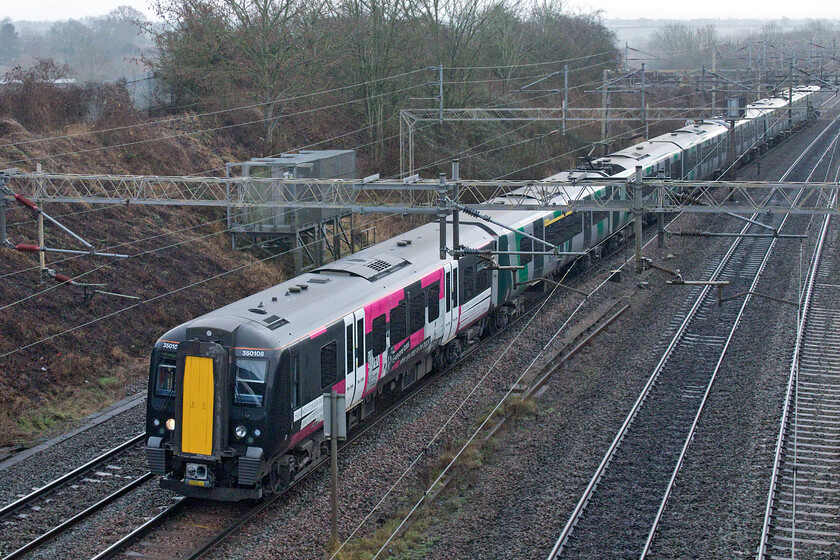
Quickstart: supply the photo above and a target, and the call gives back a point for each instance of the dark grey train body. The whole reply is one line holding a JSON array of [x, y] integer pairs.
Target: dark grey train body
[[235, 396]]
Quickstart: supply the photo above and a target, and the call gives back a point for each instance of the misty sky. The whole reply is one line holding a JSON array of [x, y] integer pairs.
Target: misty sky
[[65, 9]]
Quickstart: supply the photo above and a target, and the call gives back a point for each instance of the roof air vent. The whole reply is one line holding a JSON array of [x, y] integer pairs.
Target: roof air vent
[[275, 322], [378, 265], [294, 289]]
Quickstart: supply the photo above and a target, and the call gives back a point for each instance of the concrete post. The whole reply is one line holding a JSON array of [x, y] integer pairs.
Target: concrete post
[[440, 94], [644, 105], [337, 238], [2, 220], [42, 256], [604, 114], [442, 214], [660, 230], [790, 97], [456, 214], [637, 219], [565, 94], [730, 159], [334, 468]]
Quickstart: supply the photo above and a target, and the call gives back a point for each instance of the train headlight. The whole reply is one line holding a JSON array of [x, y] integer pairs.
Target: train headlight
[[240, 432], [170, 424], [155, 422]]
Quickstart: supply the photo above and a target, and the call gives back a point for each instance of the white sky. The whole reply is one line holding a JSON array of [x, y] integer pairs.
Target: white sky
[[722, 9], [653, 9]]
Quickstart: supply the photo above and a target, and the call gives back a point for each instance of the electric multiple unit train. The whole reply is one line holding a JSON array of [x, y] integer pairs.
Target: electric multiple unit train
[[235, 396]]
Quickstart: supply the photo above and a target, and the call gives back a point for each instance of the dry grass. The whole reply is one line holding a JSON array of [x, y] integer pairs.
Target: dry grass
[[413, 544]]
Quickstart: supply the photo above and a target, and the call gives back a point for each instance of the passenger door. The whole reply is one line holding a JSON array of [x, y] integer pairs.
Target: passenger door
[[354, 358], [450, 307]]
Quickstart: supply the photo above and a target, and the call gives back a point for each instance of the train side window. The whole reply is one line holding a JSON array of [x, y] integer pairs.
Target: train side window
[[526, 245], [165, 382], [360, 343], [563, 229], [250, 382], [398, 323], [434, 301], [455, 288], [417, 313], [349, 347], [598, 217], [469, 280], [294, 374], [329, 363], [377, 335], [449, 295], [483, 276]]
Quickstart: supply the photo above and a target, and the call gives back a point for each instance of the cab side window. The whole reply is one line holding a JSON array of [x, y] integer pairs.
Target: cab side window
[[165, 382], [250, 382]]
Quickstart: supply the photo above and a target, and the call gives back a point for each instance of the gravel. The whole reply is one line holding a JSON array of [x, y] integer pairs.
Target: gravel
[[515, 505], [47, 465]]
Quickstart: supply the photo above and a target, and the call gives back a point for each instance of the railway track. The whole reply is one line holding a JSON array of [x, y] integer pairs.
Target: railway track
[[802, 517], [95, 479], [212, 524], [619, 512], [190, 528]]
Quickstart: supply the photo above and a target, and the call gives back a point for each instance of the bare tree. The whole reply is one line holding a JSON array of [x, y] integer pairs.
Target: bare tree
[[684, 46], [240, 47]]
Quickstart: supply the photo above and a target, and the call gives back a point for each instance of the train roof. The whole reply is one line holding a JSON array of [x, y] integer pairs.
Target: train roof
[[298, 307]]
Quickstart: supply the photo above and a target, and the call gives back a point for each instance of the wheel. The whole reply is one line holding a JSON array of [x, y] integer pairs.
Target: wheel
[[440, 359], [278, 479], [453, 352], [501, 318]]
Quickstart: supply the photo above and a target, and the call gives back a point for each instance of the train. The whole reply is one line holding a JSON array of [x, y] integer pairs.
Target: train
[[235, 396]]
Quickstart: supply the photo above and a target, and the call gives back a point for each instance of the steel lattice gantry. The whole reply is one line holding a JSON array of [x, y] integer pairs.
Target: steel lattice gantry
[[439, 198], [409, 119], [423, 196]]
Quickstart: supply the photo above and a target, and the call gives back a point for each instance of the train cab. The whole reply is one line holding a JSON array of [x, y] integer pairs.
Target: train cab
[[214, 410]]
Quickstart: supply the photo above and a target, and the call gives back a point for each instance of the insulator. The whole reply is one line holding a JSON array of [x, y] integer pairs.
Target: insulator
[[26, 202], [63, 279], [25, 248]]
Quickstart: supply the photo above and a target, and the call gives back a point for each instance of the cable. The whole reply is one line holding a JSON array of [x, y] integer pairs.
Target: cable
[[527, 65], [565, 153], [312, 145], [160, 296], [511, 131], [134, 242], [110, 262], [216, 129], [550, 74], [209, 113], [486, 106], [59, 215]]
